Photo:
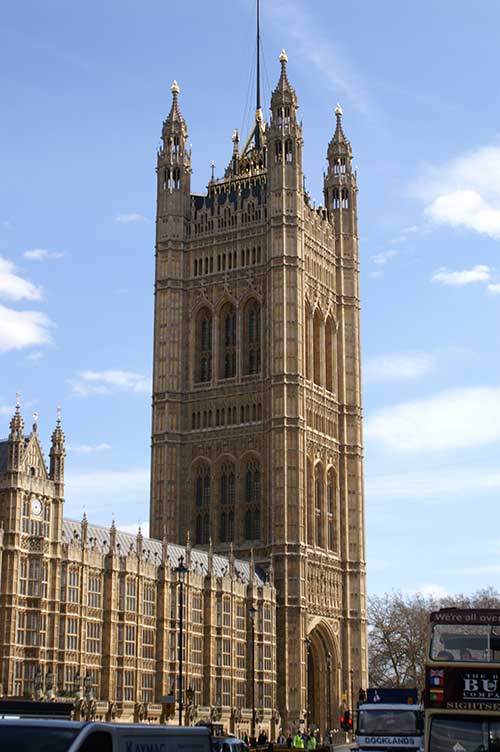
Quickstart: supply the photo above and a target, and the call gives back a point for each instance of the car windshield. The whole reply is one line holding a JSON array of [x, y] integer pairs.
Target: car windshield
[[35, 738], [375, 722], [469, 643]]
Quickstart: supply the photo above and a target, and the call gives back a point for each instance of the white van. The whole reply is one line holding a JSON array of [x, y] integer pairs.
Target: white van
[[35, 735]]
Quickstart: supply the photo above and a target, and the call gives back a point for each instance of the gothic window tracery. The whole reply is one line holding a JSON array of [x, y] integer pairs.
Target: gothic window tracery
[[252, 500], [318, 327], [204, 346], [227, 498], [329, 355], [318, 504], [310, 509], [202, 493], [228, 342], [331, 500], [252, 338]]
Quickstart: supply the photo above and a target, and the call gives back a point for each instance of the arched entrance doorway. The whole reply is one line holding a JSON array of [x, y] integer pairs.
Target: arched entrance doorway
[[322, 680]]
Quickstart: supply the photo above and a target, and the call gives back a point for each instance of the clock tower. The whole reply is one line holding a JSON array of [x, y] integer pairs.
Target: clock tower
[[31, 510]]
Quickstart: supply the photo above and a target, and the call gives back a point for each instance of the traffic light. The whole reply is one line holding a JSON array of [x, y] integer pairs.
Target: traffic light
[[346, 721]]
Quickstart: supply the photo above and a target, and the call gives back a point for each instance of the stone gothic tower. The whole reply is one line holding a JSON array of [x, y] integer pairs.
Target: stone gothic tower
[[256, 436]]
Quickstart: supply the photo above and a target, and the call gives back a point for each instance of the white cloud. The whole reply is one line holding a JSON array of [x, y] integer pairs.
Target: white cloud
[[40, 254], [382, 258], [465, 208], [133, 528], [479, 273], [20, 329], [132, 218], [465, 192], [14, 287], [494, 289], [398, 367], [105, 382], [88, 448], [34, 356], [452, 419], [453, 481], [432, 590]]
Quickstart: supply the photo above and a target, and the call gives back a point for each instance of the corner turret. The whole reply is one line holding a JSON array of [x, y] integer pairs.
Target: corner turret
[[16, 439], [174, 171], [284, 143], [57, 452], [340, 186]]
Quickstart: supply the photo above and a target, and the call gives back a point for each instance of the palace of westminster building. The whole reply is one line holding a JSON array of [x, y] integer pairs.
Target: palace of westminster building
[[256, 480]]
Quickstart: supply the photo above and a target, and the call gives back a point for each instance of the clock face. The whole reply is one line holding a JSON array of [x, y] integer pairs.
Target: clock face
[[36, 507]]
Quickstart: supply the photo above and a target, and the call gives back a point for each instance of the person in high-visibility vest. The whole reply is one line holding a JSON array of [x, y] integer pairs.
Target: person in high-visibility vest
[[298, 742], [311, 742]]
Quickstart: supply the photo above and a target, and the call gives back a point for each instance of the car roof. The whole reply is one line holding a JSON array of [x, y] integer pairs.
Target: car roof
[[45, 722]]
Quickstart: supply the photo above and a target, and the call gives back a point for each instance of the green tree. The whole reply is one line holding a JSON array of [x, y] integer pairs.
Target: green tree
[[398, 626]]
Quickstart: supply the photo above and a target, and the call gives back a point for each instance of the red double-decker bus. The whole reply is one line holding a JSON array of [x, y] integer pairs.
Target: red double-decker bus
[[462, 692]]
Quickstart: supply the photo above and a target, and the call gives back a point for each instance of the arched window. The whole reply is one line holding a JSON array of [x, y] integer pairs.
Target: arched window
[[336, 199], [202, 499], [310, 508], [318, 504], [288, 151], [317, 353], [331, 508], [308, 356], [204, 346], [252, 500], [226, 501], [345, 199], [227, 341], [252, 338], [329, 355]]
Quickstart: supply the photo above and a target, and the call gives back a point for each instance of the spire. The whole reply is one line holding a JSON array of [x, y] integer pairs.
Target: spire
[[57, 451], [139, 540], [112, 536], [340, 145], [284, 93], [175, 123], [164, 547], [17, 423], [16, 438], [84, 526]]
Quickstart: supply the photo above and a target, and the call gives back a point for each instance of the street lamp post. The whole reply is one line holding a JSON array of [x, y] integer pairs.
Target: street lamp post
[[307, 643], [252, 611], [181, 572]]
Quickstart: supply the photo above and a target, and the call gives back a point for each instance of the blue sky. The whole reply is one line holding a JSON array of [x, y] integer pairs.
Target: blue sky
[[85, 88]]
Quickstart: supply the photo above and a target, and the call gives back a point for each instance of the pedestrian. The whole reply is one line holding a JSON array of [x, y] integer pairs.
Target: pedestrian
[[281, 737], [311, 742], [289, 741], [298, 742]]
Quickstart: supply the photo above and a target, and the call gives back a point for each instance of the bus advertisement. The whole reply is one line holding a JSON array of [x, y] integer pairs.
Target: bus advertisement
[[462, 692]]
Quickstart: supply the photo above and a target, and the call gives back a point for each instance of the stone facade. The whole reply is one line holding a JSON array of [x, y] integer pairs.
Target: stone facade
[[92, 613], [256, 435]]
